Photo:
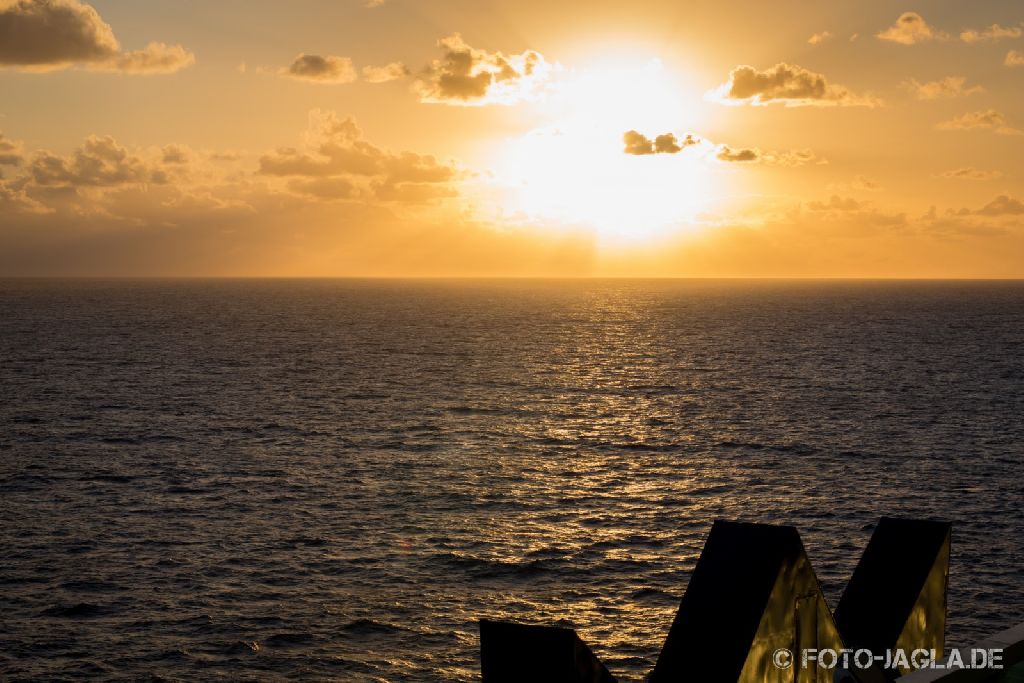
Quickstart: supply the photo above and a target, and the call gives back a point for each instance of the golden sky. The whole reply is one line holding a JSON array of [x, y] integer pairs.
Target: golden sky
[[736, 138]]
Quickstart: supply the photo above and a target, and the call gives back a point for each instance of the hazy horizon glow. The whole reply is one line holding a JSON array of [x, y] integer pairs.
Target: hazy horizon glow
[[521, 138]]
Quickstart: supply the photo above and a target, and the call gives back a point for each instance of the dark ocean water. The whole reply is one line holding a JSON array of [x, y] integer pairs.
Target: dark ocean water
[[332, 480]]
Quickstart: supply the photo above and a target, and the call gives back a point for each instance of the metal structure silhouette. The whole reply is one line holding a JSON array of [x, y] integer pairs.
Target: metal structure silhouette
[[896, 599], [516, 653], [754, 593]]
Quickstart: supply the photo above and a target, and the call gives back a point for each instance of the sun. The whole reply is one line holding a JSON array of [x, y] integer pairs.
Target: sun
[[573, 172]]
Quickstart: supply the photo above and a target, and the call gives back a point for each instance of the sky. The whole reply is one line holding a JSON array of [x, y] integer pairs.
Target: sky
[[422, 138]]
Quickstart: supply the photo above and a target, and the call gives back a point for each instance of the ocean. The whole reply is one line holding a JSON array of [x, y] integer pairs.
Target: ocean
[[332, 480]]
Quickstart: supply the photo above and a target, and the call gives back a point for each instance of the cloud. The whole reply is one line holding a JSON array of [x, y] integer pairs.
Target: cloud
[[383, 74], [14, 201], [334, 70], [909, 29], [862, 213], [10, 152], [797, 157], [1014, 58], [87, 180], [44, 35], [819, 38], [155, 58], [326, 188], [837, 203], [638, 144], [470, 77], [318, 69], [668, 144], [337, 152], [105, 207], [970, 173], [985, 120], [944, 88], [176, 154], [98, 162], [860, 183], [991, 33], [741, 155], [1003, 205], [389, 190], [788, 84]]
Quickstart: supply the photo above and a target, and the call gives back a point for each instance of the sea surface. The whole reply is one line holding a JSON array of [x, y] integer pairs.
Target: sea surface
[[332, 480]]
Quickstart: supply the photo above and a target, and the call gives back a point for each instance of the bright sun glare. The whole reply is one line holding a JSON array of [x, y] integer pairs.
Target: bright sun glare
[[573, 172]]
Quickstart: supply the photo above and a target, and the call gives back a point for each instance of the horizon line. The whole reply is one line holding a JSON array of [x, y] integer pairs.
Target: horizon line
[[762, 278]]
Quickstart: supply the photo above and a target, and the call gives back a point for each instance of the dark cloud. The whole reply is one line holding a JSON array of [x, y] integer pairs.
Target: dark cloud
[[729, 154], [469, 76], [667, 144], [796, 157], [639, 144], [318, 69], [786, 84], [54, 34]]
